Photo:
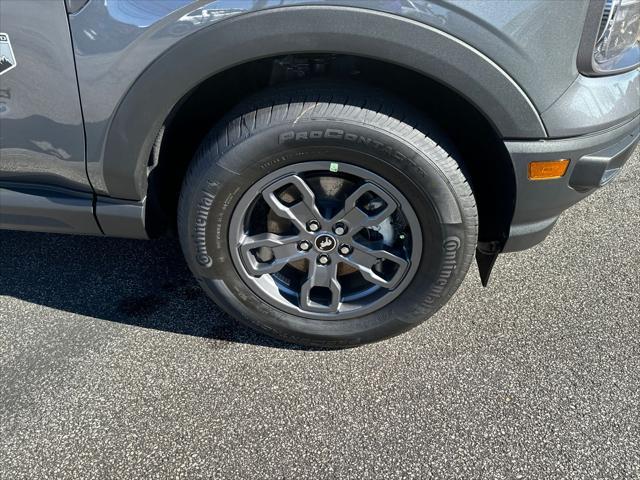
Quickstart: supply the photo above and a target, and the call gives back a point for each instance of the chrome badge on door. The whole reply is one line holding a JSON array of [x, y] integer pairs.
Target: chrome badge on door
[[7, 60]]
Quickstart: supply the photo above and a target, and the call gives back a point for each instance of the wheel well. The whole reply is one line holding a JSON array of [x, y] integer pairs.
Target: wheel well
[[479, 148]]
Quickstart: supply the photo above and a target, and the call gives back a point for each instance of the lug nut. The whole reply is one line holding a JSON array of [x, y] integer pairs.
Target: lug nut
[[304, 246], [345, 250], [324, 260], [313, 226], [339, 229]]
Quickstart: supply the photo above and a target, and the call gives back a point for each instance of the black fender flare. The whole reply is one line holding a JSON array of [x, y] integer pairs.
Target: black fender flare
[[303, 29]]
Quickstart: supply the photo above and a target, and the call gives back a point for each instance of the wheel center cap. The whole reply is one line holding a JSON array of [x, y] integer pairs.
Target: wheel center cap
[[326, 243]]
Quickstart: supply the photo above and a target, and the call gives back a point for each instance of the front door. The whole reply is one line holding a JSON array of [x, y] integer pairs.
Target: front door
[[41, 130]]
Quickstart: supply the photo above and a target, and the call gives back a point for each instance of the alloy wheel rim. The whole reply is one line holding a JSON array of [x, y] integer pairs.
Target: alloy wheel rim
[[325, 240]]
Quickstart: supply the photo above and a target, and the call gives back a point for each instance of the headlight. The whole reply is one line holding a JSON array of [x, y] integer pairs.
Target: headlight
[[617, 43]]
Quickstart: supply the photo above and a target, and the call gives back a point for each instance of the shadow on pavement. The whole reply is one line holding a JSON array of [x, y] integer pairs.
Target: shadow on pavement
[[141, 283]]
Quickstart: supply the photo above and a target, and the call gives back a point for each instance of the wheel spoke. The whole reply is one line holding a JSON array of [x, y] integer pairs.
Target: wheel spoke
[[325, 276], [300, 213], [365, 259], [356, 218], [284, 250]]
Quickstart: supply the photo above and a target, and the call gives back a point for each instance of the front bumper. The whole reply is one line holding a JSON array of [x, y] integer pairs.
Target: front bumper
[[594, 161]]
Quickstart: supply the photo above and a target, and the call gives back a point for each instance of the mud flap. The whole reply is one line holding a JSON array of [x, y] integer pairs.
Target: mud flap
[[486, 256]]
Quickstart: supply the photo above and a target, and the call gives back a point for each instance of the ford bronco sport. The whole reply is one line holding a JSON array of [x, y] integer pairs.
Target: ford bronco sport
[[331, 167]]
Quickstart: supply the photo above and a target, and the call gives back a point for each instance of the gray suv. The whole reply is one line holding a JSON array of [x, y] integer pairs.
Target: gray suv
[[331, 167]]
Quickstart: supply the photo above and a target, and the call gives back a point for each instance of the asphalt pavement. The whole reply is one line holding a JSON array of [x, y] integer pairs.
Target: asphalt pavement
[[113, 364]]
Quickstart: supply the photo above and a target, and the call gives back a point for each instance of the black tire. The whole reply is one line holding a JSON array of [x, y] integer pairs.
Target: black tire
[[275, 130]]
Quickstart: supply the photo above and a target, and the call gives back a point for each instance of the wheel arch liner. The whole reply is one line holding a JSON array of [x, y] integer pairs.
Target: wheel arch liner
[[305, 29]]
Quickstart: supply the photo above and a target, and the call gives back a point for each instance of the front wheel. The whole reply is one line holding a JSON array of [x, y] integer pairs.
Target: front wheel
[[327, 216]]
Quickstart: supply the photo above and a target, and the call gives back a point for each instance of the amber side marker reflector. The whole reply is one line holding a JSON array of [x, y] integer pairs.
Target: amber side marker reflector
[[548, 170]]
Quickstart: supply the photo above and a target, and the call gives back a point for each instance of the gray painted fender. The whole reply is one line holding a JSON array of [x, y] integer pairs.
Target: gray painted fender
[[279, 31]]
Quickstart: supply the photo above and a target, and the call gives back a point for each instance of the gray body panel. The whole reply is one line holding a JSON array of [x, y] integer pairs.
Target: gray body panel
[[43, 209], [41, 134], [115, 64], [535, 41], [532, 44], [593, 104], [123, 158]]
